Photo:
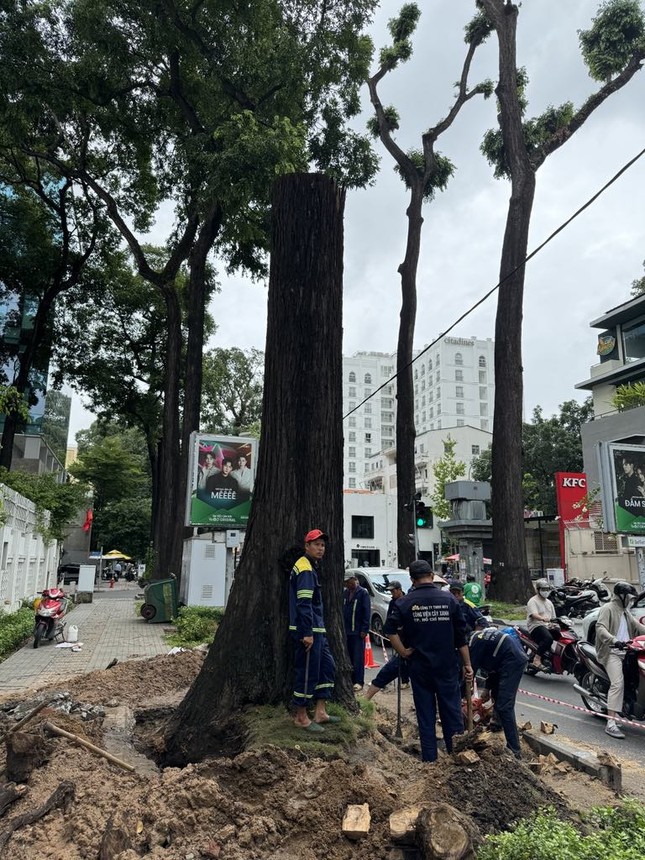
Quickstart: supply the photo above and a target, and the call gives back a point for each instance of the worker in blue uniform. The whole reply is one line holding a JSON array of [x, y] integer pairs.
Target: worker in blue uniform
[[502, 658], [356, 616], [315, 670], [395, 667], [425, 627]]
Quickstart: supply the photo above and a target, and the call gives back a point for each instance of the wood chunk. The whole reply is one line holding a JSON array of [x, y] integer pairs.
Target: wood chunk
[[356, 821], [548, 728], [526, 727], [61, 798], [467, 757], [25, 752], [536, 766], [403, 824], [443, 833], [9, 793]]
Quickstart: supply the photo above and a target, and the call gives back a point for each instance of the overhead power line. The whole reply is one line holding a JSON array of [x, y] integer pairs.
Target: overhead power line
[[487, 295]]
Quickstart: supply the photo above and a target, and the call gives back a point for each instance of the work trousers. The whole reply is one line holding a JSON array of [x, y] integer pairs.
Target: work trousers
[[356, 651], [503, 684], [543, 639], [430, 691], [315, 672], [390, 672], [614, 668]]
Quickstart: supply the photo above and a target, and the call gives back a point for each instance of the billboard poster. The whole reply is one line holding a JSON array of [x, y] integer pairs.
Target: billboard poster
[[220, 480], [571, 501], [627, 464]]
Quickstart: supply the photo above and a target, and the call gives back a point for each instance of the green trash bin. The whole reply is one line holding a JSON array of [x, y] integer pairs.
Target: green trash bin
[[160, 598]]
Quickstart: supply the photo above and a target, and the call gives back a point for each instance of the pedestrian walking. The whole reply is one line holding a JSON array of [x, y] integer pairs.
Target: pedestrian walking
[[425, 627], [502, 658], [315, 670], [356, 616], [395, 665]]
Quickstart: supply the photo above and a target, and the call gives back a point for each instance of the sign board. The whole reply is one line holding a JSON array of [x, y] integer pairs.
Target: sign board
[[622, 481], [220, 480], [634, 541]]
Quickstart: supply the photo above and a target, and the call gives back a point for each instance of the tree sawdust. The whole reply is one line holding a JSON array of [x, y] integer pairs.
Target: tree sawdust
[[262, 804]]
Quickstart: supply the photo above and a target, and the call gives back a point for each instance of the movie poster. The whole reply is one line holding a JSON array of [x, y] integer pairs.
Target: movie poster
[[221, 478], [628, 462]]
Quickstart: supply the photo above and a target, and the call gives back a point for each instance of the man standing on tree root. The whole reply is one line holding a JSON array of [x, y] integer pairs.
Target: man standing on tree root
[[428, 620], [315, 670]]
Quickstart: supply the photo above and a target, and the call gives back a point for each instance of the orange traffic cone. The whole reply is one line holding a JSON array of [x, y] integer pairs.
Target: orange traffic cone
[[369, 655]]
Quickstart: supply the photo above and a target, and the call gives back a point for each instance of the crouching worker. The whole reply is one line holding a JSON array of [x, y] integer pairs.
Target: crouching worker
[[315, 670], [502, 658], [395, 667]]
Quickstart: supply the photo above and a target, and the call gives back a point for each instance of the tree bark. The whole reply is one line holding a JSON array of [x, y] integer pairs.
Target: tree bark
[[298, 482], [405, 429], [510, 575]]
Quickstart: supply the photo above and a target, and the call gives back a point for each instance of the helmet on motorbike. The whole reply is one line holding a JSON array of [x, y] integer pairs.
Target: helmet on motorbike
[[53, 593], [624, 590]]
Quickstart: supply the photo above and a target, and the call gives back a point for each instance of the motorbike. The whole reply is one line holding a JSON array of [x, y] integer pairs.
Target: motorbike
[[593, 681], [598, 585], [563, 657], [574, 604], [50, 609]]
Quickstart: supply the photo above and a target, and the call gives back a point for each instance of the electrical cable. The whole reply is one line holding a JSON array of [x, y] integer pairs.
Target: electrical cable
[[506, 277]]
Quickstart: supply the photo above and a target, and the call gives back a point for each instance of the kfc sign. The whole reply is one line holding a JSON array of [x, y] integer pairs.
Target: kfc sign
[[569, 481], [570, 493]]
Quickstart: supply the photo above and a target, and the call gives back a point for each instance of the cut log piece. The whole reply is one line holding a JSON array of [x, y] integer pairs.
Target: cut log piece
[[403, 825], [356, 821], [443, 833], [467, 757]]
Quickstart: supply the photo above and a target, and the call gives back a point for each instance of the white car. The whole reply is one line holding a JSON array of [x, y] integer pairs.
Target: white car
[[589, 621], [375, 580]]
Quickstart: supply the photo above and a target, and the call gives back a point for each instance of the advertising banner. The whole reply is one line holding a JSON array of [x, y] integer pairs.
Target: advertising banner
[[570, 496], [627, 466], [220, 480]]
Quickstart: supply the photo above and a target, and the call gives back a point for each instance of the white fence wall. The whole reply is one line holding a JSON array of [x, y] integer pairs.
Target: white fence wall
[[27, 563]]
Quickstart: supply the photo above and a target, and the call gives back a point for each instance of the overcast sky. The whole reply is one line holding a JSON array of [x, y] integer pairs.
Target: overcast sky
[[585, 271]]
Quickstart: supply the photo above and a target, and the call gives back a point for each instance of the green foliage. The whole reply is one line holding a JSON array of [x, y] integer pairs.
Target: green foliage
[[616, 34], [445, 470], [11, 400], [628, 396], [478, 29], [232, 390], [638, 286], [612, 833], [15, 627], [111, 469], [508, 611], [441, 172], [391, 121], [195, 625], [63, 501]]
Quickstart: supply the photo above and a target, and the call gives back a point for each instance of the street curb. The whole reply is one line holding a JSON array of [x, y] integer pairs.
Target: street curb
[[602, 765]]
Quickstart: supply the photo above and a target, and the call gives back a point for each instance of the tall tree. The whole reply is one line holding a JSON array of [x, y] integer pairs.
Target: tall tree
[[299, 477], [232, 390], [613, 50], [423, 171], [447, 468]]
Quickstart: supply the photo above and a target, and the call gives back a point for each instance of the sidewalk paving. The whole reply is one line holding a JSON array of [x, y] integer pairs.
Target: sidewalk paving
[[108, 628]]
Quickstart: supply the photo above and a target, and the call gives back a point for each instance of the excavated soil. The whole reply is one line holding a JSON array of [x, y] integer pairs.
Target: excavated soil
[[262, 804]]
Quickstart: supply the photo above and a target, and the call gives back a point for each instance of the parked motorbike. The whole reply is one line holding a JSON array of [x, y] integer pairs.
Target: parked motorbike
[[563, 657], [50, 610], [593, 681], [574, 604], [598, 585]]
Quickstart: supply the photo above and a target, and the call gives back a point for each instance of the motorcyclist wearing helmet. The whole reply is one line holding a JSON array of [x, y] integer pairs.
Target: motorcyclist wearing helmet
[[614, 628], [473, 590], [540, 612]]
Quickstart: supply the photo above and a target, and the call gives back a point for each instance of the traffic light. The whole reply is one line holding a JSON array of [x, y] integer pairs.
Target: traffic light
[[423, 514]]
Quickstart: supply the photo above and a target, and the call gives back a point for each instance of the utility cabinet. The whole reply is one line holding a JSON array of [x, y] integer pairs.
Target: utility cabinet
[[203, 573]]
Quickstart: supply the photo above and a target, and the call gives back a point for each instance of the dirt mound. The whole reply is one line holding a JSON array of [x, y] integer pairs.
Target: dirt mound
[[267, 803]]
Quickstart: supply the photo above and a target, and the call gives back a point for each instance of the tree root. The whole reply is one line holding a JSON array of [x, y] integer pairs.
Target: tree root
[[62, 797]]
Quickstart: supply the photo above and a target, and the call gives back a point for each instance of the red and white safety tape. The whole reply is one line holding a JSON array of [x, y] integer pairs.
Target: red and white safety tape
[[383, 639], [583, 710]]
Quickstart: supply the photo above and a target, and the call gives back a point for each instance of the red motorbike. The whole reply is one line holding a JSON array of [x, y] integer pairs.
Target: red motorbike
[[562, 658], [50, 610], [593, 681]]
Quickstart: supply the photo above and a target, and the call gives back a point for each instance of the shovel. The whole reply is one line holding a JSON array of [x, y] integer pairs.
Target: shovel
[[398, 733], [469, 706]]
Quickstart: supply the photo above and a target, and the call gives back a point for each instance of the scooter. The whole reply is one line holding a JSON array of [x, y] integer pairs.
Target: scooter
[[50, 610], [562, 659], [574, 605], [593, 681]]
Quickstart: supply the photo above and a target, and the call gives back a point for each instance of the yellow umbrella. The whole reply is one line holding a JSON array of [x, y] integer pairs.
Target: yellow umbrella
[[114, 554]]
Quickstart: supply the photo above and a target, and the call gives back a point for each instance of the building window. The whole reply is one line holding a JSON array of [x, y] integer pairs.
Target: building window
[[460, 408], [483, 409], [352, 377], [368, 452], [368, 423], [429, 364], [459, 376], [438, 393], [483, 424], [386, 370], [437, 377], [430, 396], [367, 392], [483, 392], [368, 379], [368, 438], [482, 361], [460, 422], [431, 412], [352, 422], [459, 391], [352, 483], [459, 359], [423, 401], [634, 341], [437, 359], [352, 435], [423, 420], [352, 391], [482, 377], [423, 370], [368, 408], [352, 404], [352, 466], [351, 451], [416, 372], [474, 450], [438, 425], [438, 408]]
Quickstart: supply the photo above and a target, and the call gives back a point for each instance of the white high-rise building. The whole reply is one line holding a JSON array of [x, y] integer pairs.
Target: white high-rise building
[[454, 386]]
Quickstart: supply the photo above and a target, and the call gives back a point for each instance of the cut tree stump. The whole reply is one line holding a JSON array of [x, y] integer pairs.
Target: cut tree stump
[[356, 821], [403, 825], [62, 797], [443, 833]]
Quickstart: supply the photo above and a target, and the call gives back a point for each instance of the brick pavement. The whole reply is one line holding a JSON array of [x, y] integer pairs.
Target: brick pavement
[[108, 628]]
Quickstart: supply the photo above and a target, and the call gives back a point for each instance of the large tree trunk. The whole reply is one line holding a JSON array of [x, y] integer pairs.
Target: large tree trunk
[[510, 576], [298, 482], [405, 430]]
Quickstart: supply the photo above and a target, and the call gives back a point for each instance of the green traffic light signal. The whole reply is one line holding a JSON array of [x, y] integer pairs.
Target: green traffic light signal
[[421, 521]]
